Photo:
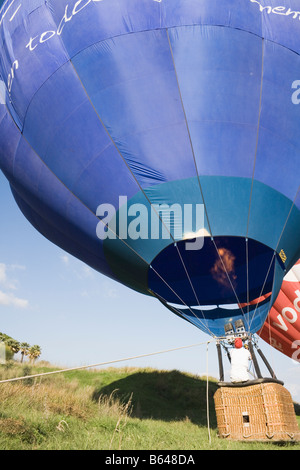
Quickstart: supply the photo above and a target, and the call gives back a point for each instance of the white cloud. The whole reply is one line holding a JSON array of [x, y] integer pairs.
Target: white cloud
[[77, 268], [90, 283], [112, 293], [65, 259], [7, 297], [109, 291], [21, 267], [87, 272], [10, 299], [2, 272], [4, 281], [84, 293]]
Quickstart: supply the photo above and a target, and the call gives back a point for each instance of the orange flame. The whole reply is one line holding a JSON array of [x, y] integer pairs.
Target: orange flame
[[224, 268]]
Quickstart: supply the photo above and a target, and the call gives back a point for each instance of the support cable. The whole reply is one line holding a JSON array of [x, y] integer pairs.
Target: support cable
[[100, 363], [198, 178]]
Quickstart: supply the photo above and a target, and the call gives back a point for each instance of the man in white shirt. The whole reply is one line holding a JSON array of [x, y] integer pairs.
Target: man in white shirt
[[240, 358]]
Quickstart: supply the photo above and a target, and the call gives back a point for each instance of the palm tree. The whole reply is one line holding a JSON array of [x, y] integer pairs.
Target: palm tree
[[4, 337], [13, 344], [34, 352], [24, 348]]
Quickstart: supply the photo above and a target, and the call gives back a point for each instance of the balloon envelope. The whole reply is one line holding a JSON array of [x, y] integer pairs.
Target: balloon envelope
[[121, 118], [282, 327]]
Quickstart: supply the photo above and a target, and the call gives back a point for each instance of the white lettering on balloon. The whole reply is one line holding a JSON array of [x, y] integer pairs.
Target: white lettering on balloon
[[296, 94], [2, 96], [80, 5], [289, 315], [280, 10], [68, 16], [11, 75], [45, 36]]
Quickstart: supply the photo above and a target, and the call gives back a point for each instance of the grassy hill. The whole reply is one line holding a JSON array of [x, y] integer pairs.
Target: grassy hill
[[110, 409]]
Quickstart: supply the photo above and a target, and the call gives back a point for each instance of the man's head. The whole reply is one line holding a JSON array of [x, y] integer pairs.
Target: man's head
[[238, 343]]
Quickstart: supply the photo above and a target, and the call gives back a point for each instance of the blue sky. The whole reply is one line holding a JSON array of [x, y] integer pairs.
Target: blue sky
[[80, 317]]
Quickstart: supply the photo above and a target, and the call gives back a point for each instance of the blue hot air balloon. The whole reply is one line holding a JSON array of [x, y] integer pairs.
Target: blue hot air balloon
[[123, 120]]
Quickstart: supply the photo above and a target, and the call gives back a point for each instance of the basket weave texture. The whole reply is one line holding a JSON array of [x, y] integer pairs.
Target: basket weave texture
[[257, 412]]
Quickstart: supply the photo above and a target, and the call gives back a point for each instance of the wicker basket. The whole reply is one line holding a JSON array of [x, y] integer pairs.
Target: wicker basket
[[262, 412]]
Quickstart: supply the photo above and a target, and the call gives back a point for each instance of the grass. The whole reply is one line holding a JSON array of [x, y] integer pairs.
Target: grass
[[111, 409]]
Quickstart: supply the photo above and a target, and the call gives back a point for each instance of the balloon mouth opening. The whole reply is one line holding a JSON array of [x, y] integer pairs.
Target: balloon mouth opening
[[230, 273], [230, 309]]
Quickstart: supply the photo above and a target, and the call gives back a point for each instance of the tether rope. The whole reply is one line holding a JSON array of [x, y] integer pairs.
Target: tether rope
[[102, 363], [207, 395]]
